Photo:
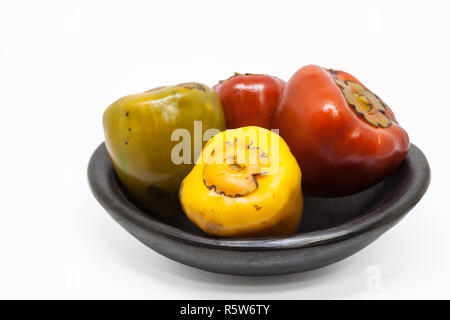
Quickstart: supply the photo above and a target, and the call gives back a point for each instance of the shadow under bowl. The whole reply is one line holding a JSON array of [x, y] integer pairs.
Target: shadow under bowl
[[331, 228]]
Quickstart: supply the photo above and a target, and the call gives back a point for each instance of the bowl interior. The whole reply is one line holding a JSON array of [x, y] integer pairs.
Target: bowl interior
[[324, 219], [318, 213]]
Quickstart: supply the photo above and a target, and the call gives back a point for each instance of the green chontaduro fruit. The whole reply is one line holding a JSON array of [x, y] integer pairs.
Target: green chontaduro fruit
[[139, 137]]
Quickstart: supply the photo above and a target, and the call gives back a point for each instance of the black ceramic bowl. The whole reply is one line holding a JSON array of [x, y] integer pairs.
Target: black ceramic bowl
[[331, 229]]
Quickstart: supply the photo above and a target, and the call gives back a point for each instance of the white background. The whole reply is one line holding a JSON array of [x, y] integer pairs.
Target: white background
[[63, 62]]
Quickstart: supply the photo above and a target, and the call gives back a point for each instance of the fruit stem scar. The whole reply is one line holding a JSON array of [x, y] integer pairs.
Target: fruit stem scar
[[229, 178], [364, 102]]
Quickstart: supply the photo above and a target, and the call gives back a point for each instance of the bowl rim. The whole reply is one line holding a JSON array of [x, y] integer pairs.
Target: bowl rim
[[100, 166]]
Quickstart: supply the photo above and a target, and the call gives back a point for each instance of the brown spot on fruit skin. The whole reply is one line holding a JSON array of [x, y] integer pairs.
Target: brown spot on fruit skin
[[233, 179], [192, 85], [333, 72], [257, 207], [260, 174]]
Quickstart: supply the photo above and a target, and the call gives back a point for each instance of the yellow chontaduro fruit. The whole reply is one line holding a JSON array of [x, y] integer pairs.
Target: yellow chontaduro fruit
[[245, 183]]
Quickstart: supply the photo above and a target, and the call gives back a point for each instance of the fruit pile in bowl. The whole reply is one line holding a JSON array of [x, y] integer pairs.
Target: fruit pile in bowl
[[239, 158]]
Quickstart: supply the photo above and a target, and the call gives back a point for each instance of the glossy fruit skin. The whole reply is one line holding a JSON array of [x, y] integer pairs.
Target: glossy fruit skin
[[273, 209], [249, 99], [138, 135], [338, 151]]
